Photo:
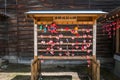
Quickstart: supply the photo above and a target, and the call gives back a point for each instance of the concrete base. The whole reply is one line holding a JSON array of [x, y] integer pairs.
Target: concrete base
[[117, 68], [11, 59], [73, 74], [117, 65]]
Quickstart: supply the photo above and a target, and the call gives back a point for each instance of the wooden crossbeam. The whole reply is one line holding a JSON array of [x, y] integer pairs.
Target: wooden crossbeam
[[65, 43], [44, 50], [65, 57], [70, 30], [64, 23], [64, 37]]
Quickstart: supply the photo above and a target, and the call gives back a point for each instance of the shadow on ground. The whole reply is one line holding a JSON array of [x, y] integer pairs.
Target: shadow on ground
[[21, 77], [17, 68], [26, 77]]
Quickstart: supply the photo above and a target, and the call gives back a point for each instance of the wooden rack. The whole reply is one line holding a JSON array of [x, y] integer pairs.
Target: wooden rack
[[63, 18]]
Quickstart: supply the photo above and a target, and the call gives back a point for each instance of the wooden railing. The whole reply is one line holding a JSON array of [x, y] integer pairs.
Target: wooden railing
[[35, 69], [94, 69]]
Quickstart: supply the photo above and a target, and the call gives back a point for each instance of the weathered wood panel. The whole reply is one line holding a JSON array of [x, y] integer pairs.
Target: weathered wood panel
[[20, 29]]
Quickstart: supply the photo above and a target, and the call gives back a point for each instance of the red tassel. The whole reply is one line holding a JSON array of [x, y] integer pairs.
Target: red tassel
[[77, 35], [66, 28], [72, 31]]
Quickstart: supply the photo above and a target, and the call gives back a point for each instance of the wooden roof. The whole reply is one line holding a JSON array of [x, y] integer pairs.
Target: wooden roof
[[66, 12], [68, 16], [72, 12]]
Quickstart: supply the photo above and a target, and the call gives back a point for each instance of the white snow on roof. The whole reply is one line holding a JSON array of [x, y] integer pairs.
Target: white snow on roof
[[66, 12]]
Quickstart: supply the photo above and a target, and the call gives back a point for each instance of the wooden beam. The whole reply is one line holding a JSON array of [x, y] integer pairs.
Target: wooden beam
[[66, 22], [65, 57], [44, 50], [94, 37], [98, 70], [70, 30], [117, 40], [35, 39], [66, 43], [63, 37], [63, 15]]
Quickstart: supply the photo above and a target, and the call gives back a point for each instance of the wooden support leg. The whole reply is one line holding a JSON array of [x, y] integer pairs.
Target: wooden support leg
[[32, 72], [98, 70], [35, 69], [95, 70], [39, 69]]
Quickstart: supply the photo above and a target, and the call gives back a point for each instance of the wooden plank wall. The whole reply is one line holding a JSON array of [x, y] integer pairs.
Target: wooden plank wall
[[3, 36], [20, 29]]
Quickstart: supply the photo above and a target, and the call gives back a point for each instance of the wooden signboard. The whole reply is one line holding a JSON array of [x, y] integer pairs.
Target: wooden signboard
[[73, 37]]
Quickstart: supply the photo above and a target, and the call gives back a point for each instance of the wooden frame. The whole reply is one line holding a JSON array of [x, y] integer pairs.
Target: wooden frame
[[94, 37], [117, 40], [66, 17], [63, 15], [35, 40], [64, 57]]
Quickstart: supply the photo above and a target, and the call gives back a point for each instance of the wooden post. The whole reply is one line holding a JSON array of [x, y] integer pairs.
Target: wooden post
[[34, 65], [94, 50], [93, 67], [32, 72], [98, 70], [117, 40], [94, 37], [93, 70], [35, 40]]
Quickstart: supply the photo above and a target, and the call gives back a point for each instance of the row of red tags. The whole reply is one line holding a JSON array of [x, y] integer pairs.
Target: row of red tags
[[72, 37], [111, 27], [51, 42], [67, 52], [53, 29]]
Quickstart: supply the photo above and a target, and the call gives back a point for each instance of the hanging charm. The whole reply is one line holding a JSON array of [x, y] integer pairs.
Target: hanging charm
[[41, 27], [61, 36], [45, 29], [53, 28], [67, 28], [76, 30]]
